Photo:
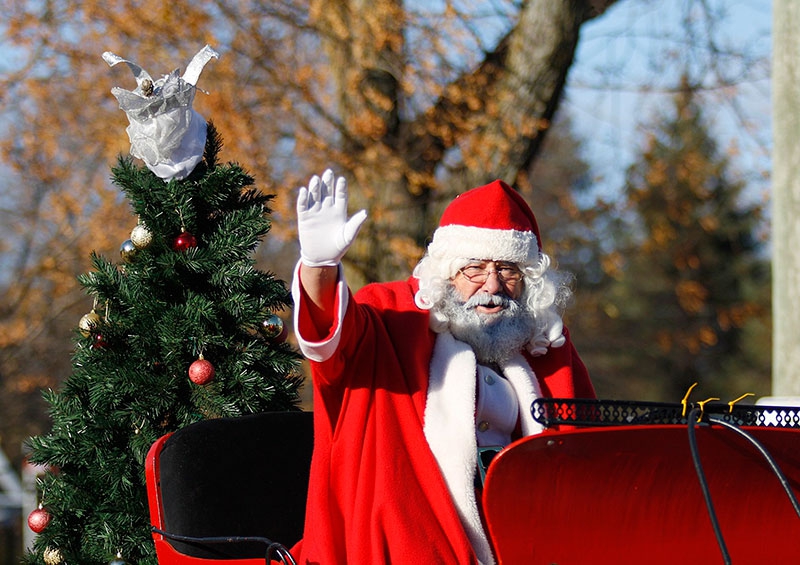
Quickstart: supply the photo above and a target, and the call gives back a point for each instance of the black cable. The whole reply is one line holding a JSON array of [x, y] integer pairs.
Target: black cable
[[772, 463], [273, 548], [694, 415], [698, 466]]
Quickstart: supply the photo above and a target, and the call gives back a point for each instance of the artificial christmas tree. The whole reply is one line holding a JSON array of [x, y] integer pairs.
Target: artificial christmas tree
[[184, 304]]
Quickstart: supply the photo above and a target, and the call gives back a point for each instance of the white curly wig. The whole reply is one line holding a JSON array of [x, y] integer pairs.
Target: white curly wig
[[545, 294], [493, 222]]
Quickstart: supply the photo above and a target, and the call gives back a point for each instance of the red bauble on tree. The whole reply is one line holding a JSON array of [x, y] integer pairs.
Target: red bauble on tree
[[39, 519], [201, 372], [99, 342], [184, 241]]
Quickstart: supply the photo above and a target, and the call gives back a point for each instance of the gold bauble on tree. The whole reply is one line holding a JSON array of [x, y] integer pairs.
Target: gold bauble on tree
[[89, 323], [141, 236], [53, 556]]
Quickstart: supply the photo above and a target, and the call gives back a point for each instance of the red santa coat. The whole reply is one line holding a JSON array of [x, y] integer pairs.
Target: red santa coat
[[376, 495]]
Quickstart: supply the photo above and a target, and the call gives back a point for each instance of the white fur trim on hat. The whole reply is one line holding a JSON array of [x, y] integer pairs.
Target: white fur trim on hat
[[472, 242]]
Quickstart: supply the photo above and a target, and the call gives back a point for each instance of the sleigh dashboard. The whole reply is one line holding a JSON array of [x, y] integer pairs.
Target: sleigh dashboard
[[648, 483]]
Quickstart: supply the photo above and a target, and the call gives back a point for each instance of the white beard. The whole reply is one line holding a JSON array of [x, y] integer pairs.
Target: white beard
[[493, 337]]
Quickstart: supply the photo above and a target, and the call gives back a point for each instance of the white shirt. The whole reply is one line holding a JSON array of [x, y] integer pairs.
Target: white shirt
[[496, 410]]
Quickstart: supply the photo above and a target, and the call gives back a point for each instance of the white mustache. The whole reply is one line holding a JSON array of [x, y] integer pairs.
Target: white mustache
[[486, 299]]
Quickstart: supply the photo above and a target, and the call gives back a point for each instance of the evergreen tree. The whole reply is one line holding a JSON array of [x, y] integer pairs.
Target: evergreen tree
[[693, 279], [184, 327]]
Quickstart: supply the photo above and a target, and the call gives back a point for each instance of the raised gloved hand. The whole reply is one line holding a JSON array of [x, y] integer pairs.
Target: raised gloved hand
[[323, 228]]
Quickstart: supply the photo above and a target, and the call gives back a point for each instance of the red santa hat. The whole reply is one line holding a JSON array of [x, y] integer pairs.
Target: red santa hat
[[489, 222]]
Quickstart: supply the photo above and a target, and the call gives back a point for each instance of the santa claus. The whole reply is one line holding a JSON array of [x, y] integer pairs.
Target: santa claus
[[412, 377]]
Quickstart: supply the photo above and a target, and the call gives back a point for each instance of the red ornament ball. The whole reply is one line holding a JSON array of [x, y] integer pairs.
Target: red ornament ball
[[201, 372], [184, 241], [99, 342], [39, 519]]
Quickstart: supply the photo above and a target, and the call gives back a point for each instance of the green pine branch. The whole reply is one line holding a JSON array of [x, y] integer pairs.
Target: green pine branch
[[159, 309]]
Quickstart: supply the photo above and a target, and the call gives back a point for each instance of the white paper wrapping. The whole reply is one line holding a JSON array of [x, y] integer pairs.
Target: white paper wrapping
[[165, 131]]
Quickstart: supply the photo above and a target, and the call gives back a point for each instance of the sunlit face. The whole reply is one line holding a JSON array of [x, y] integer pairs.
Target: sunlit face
[[492, 277], [483, 309]]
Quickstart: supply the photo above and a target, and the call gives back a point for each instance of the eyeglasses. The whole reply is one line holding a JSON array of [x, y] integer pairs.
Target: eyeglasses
[[479, 274]]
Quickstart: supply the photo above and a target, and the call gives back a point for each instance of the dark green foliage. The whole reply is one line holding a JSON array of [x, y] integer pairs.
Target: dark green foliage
[[160, 310], [690, 295]]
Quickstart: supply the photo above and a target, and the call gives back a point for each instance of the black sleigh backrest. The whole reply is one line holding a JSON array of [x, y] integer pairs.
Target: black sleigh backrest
[[242, 477]]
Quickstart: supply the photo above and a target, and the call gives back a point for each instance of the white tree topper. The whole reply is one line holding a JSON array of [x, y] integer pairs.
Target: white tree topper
[[165, 131]]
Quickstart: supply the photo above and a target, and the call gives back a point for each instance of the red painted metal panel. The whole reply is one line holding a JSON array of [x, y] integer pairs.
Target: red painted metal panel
[[631, 494]]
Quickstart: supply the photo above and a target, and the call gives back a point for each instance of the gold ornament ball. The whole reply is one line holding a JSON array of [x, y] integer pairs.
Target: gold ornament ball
[[128, 251], [52, 556], [89, 323], [141, 236]]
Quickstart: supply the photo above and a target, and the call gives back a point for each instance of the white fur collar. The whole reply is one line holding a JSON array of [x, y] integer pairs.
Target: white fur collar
[[450, 425], [526, 385]]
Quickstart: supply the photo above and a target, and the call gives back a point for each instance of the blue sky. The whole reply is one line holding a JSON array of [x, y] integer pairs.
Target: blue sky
[[628, 56]]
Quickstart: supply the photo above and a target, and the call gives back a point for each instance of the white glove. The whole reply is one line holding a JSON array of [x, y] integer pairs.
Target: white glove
[[324, 231]]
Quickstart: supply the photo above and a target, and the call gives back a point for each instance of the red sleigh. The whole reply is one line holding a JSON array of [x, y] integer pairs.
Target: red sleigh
[[628, 482], [230, 491], [631, 485]]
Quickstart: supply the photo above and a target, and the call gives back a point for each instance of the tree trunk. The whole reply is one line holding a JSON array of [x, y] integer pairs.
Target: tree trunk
[[786, 198], [495, 115]]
